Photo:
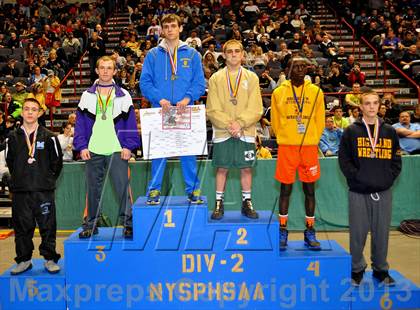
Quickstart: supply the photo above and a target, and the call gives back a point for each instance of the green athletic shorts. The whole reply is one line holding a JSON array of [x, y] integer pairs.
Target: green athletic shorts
[[234, 153]]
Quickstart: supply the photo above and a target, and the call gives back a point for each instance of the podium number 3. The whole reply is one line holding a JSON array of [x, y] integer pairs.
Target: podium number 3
[[241, 232], [169, 223], [314, 266], [100, 254]]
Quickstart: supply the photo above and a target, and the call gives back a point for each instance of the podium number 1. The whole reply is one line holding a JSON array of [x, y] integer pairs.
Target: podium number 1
[[314, 266], [169, 223], [241, 232]]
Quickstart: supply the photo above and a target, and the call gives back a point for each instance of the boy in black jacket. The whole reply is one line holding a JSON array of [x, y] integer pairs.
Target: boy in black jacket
[[34, 158], [370, 159]]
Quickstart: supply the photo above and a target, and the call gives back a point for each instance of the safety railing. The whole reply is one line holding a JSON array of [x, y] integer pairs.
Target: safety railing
[[353, 32], [375, 51], [410, 80]]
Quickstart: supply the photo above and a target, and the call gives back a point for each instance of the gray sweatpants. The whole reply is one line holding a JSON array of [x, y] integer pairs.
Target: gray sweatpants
[[98, 168], [369, 212]]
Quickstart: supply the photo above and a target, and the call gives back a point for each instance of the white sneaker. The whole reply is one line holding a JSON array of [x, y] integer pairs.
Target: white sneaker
[[21, 268], [51, 266]]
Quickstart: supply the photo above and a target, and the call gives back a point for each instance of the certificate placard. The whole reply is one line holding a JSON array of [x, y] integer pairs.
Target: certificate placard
[[174, 133]]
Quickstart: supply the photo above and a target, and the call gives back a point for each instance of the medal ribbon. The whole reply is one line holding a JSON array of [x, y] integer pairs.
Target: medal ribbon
[[373, 140], [173, 59], [302, 99], [101, 103], [31, 147], [233, 91]]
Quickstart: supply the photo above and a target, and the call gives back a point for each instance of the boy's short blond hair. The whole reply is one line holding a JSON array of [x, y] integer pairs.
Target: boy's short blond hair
[[106, 58], [232, 42]]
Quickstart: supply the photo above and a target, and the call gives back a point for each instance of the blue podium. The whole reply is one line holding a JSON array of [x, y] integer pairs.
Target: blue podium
[[180, 259]]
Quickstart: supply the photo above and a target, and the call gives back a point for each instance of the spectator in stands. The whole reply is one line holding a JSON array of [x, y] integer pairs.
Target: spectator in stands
[[66, 142], [339, 120], [3, 90], [415, 117], [134, 45], [266, 81], [71, 42], [341, 56], [356, 76], [55, 64], [390, 45], [296, 22], [327, 47], [194, 37], [382, 114], [52, 91], [335, 78], [38, 93], [210, 63], [102, 35], [297, 43], [14, 108], [393, 108], [303, 13], [96, 48], [37, 76], [123, 50], [330, 139], [250, 40], [354, 114], [265, 43], [259, 27], [353, 99], [20, 94], [348, 65], [260, 60], [10, 71], [409, 59], [286, 29], [409, 134], [261, 151], [14, 41]]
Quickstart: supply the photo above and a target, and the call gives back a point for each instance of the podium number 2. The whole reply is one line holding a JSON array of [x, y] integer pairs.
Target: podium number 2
[[241, 232], [100, 254], [169, 223], [314, 266]]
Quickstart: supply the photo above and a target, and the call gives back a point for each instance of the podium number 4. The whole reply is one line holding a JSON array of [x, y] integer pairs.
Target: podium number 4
[[314, 266], [169, 223]]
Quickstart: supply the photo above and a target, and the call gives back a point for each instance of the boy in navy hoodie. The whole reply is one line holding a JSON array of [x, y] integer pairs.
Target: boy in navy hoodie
[[370, 159]]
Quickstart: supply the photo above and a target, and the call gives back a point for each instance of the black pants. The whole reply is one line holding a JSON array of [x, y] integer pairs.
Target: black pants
[[29, 209]]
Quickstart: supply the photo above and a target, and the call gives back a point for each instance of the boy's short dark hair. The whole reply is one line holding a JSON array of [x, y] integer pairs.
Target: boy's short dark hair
[[31, 100], [169, 18]]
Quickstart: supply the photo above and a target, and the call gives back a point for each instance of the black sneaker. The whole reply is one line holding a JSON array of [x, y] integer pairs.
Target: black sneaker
[[219, 210], [383, 277], [128, 232], [88, 232], [248, 210], [357, 277], [283, 239]]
